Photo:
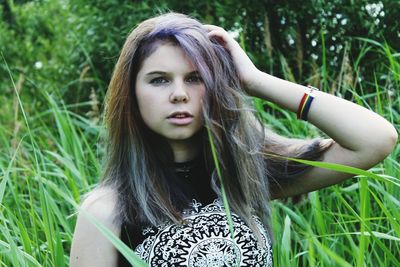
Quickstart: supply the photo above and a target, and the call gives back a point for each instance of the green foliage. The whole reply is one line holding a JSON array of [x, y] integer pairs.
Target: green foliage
[[60, 56]]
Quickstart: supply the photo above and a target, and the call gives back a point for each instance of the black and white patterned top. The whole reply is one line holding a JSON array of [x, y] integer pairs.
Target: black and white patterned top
[[204, 240]]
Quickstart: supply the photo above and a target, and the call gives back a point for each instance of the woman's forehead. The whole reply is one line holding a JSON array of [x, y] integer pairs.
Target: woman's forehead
[[168, 57]]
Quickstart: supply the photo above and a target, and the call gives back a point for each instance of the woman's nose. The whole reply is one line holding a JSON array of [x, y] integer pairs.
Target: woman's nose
[[179, 93]]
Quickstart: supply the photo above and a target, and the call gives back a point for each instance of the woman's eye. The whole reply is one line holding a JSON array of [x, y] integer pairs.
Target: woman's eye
[[194, 79], [158, 80]]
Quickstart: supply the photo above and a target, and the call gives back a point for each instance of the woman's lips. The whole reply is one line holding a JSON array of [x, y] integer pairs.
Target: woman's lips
[[180, 120], [180, 117]]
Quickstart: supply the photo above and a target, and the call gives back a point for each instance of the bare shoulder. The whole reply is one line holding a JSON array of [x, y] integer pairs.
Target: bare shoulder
[[89, 246], [101, 203]]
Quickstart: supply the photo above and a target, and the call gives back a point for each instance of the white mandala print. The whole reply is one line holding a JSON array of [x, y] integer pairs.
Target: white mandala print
[[204, 241]]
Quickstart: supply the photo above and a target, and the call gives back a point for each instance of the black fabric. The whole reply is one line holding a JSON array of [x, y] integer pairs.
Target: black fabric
[[193, 181]]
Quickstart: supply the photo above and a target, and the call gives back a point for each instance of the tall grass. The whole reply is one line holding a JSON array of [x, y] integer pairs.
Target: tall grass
[[355, 223], [54, 158]]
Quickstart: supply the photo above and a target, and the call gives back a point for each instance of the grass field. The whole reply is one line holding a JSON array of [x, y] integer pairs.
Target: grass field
[[49, 157]]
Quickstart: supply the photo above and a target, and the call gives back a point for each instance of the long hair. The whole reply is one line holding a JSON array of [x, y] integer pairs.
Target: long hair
[[139, 163]]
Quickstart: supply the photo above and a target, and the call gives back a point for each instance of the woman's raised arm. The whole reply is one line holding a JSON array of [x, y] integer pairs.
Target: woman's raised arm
[[361, 137]]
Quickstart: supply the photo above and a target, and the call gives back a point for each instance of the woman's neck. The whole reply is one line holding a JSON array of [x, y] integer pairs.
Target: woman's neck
[[184, 150]]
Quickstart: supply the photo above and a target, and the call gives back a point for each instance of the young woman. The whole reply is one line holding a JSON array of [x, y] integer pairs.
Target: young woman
[[160, 192]]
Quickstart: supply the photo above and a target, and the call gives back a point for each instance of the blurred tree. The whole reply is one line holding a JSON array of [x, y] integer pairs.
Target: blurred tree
[[82, 39], [7, 14]]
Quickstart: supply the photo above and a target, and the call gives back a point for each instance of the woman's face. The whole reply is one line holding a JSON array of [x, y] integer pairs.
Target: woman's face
[[169, 92]]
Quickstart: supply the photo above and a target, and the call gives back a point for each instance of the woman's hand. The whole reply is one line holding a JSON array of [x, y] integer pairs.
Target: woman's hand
[[246, 69]]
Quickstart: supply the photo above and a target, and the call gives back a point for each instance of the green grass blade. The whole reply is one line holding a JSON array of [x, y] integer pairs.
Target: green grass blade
[[131, 257]]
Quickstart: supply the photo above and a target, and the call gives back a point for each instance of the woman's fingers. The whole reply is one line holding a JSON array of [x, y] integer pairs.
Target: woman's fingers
[[216, 31], [210, 27], [221, 34], [243, 64], [217, 34]]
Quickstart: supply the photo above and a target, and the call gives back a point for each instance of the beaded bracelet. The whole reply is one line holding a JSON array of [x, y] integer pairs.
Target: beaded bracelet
[[305, 103]]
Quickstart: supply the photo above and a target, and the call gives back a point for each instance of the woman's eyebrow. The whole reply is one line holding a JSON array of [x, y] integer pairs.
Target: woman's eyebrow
[[195, 72], [158, 72]]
